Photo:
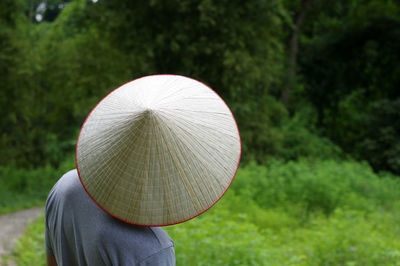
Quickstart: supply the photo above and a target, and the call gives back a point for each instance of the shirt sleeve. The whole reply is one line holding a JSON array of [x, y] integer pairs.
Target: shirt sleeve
[[47, 242], [47, 239], [165, 257]]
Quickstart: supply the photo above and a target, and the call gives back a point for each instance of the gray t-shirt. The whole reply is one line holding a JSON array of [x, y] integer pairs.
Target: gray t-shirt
[[78, 232]]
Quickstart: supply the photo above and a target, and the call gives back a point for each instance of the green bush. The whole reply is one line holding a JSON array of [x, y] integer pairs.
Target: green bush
[[277, 215], [221, 237], [345, 238], [216, 240], [309, 186], [301, 141], [24, 188]]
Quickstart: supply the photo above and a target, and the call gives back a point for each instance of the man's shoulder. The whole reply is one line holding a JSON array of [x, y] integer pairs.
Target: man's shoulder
[[148, 243], [67, 185], [69, 181], [162, 237]]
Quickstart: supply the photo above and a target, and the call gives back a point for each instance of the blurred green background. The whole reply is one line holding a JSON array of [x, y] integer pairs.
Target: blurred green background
[[314, 86]]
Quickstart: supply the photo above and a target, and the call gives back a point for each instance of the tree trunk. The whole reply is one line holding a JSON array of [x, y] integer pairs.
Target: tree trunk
[[293, 49]]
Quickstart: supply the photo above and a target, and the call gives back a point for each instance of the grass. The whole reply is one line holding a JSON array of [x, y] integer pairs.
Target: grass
[[298, 213], [26, 188], [30, 250]]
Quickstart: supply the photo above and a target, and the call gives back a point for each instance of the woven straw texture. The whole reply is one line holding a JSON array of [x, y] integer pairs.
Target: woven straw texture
[[158, 150]]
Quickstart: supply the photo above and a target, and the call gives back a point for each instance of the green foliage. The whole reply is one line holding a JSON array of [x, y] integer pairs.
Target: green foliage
[[302, 141], [52, 73], [350, 69], [268, 205], [306, 187], [233, 46], [61, 71], [24, 188], [202, 241], [284, 137], [381, 142], [63, 67], [261, 221], [30, 249], [345, 238]]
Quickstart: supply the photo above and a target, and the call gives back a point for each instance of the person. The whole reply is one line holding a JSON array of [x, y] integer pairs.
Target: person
[[157, 151], [78, 232]]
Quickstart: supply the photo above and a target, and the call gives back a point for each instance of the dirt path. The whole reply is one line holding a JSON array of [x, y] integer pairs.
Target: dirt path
[[12, 227]]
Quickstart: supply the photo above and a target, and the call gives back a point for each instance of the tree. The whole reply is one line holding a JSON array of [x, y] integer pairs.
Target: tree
[[294, 47], [233, 46], [350, 67]]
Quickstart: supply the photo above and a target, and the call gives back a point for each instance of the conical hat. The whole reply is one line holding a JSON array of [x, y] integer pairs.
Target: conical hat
[[158, 150]]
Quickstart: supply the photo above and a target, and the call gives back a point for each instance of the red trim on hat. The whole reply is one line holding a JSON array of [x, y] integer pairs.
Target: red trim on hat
[[129, 222]]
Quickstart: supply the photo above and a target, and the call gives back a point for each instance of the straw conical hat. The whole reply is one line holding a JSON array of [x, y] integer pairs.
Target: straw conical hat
[[158, 150]]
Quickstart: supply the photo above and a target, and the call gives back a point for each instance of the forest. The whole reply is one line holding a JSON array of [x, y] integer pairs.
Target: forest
[[313, 85]]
